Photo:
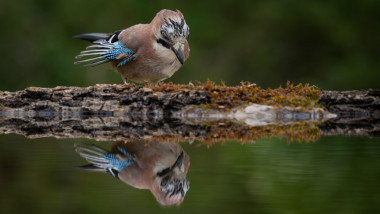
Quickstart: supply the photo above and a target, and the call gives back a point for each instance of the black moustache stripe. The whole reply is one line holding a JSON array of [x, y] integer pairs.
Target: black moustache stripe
[[163, 43]]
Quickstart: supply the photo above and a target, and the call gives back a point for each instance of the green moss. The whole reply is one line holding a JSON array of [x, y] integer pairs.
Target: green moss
[[227, 131], [304, 96], [301, 132]]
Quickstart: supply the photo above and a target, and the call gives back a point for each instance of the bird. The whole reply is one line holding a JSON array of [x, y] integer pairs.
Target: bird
[[160, 167], [144, 52]]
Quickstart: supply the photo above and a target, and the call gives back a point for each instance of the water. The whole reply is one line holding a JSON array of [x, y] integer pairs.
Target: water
[[250, 159], [334, 174]]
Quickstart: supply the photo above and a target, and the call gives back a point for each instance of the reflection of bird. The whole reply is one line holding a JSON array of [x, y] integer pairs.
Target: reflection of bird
[[159, 167], [143, 52]]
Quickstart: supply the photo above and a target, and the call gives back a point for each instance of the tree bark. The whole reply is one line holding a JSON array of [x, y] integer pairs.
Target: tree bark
[[127, 112]]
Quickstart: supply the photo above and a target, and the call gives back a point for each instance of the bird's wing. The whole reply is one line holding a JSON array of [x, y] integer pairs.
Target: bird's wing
[[103, 161], [106, 48]]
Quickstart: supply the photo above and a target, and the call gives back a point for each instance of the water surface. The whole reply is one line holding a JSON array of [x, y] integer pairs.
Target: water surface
[[331, 175]]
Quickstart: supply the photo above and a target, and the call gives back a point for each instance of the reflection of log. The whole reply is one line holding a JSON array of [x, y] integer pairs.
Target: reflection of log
[[358, 112], [358, 103], [122, 129], [117, 112]]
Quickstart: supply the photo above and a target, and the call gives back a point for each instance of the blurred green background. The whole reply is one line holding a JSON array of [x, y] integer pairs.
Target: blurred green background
[[332, 44], [337, 175]]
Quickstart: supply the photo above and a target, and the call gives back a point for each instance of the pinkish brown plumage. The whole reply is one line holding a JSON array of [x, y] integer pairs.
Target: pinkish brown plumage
[[143, 52], [158, 167]]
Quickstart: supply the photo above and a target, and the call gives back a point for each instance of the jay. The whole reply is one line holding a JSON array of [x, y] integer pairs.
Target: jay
[[143, 52], [159, 167]]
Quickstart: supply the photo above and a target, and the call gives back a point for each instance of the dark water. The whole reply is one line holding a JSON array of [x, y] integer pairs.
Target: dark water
[[331, 175]]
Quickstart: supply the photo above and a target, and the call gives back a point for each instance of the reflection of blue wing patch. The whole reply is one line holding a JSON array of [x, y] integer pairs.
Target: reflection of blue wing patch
[[116, 163], [119, 164], [118, 49]]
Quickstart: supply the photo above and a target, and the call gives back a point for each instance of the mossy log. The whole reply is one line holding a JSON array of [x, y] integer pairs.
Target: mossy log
[[127, 112]]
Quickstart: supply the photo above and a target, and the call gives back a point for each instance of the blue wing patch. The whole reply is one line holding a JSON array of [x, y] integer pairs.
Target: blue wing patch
[[118, 49], [103, 51]]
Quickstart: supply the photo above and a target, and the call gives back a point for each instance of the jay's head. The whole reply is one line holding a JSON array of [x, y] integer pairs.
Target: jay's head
[[171, 183], [171, 31]]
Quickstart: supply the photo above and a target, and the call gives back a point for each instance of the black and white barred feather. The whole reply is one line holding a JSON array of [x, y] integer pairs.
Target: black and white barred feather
[[106, 48]]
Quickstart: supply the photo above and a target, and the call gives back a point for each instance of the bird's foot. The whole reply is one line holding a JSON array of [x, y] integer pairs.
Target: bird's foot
[[149, 84]]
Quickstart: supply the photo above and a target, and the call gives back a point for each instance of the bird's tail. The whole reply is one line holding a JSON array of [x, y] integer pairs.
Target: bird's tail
[[95, 156], [92, 37]]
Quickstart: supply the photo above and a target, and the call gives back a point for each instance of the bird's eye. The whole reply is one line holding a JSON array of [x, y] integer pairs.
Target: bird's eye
[[164, 181], [164, 34]]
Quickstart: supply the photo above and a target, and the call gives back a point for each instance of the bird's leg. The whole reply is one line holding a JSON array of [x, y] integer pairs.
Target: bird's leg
[[149, 84], [124, 79], [125, 156]]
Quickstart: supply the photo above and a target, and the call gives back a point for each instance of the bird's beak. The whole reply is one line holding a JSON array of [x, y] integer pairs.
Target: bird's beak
[[178, 52], [177, 167]]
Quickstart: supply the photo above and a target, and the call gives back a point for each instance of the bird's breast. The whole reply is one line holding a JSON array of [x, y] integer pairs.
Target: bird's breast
[[153, 63], [167, 62]]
